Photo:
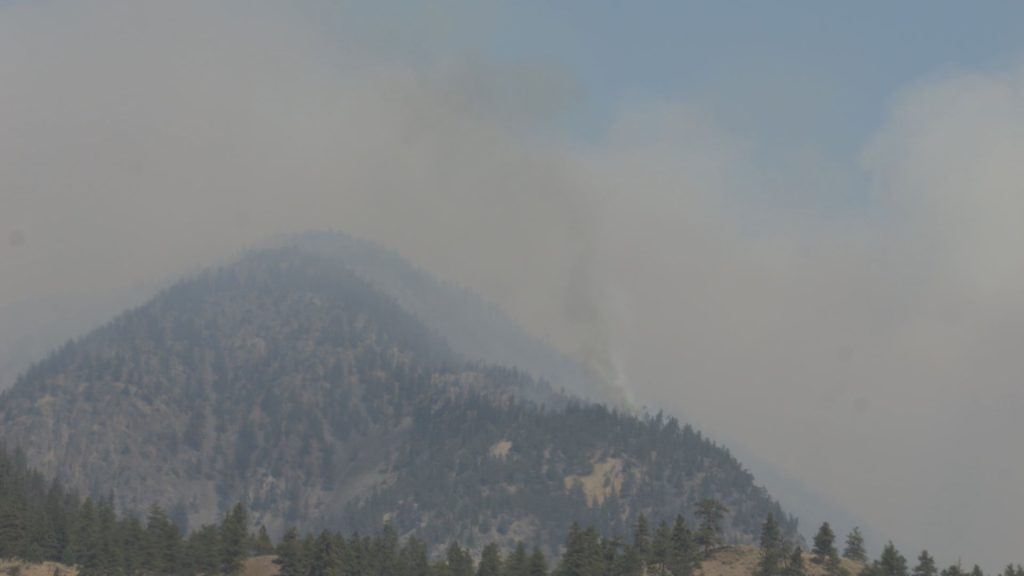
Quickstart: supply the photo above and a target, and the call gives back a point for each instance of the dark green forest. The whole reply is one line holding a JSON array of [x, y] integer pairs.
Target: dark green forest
[[41, 520]]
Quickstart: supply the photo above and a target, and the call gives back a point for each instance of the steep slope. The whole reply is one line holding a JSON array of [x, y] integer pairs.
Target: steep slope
[[287, 381], [476, 329]]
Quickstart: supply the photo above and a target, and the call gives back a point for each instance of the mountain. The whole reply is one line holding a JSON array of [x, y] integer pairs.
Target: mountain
[[290, 382], [477, 330], [31, 329]]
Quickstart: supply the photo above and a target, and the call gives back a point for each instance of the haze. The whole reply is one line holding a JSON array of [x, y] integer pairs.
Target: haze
[[795, 226]]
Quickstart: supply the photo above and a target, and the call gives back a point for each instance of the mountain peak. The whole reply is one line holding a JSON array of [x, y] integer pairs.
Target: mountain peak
[[289, 381]]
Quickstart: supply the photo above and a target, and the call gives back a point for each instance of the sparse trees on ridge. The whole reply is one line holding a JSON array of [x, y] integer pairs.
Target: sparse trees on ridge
[[42, 521]]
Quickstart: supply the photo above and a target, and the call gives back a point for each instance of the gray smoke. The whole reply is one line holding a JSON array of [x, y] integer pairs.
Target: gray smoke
[[869, 352]]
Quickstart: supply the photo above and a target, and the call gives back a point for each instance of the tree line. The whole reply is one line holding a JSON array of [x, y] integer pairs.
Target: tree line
[[40, 520], [781, 558]]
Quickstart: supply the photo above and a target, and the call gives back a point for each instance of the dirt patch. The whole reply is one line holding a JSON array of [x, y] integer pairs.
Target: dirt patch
[[742, 561], [500, 450], [44, 569], [260, 566], [605, 478]]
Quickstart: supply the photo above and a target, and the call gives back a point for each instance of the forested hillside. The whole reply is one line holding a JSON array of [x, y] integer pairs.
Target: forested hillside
[[41, 521], [289, 383], [475, 329]]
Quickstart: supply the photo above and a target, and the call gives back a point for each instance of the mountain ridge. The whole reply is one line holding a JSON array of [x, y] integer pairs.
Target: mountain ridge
[[287, 381]]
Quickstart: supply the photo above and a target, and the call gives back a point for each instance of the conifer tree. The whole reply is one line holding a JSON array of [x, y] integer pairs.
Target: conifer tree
[[204, 550], [824, 544], [108, 558], [683, 558], [326, 559], [952, 570], [458, 561], [773, 552], [517, 563], [1012, 570], [162, 543], [925, 565], [642, 538], [582, 556], [413, 558], [490, 561], [261, 544], [855, 546], [384, 551], [290, 555], [711, 512], [85, 530], [661, 544], [234, 540], [133, 542], [795, 563], [825, 552], [891, 562], [538, 564]]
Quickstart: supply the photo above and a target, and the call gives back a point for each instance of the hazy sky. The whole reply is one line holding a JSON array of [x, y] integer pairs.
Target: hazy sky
[[798, 224]]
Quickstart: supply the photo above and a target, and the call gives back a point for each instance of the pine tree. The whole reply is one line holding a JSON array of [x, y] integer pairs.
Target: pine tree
[[925, 565], [261, 544], [953, 570], [13, 533], [290, 555], [538, 564], [824, 544], [855, 547], [234, 540], [111, 551], [1012, 570], [203, 550], [683, 558], [642, 539], [891, 562], [517, 563], [582, 556], [661, 544], [162, 543], [795, 563], [384, 551], [84, 540], [490, 561], [325, 560], [773, 552], [413, 558], [825, 552], [133, 540], [711, 512], [458, 561]]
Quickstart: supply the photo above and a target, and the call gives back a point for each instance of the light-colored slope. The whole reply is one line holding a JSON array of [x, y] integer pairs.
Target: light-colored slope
[[742, 561], [44, 569], [260, 566]]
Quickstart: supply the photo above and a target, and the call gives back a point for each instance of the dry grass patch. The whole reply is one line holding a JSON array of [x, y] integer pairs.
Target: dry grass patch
[[742, 561], [8, 567], [260, 566]]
